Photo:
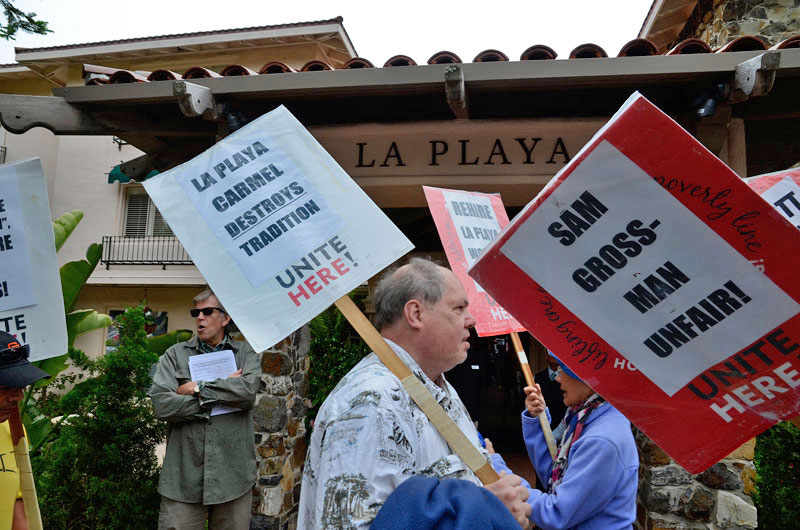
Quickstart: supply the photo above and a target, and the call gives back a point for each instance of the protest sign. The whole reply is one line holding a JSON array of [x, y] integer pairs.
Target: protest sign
[[782, 190], [333, 239], [16, 284], [31, 304], [634, 266], [276, 227], [467, 221]]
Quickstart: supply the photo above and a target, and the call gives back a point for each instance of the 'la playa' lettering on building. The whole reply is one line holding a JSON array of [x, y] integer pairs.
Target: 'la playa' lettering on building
[[465, 152]]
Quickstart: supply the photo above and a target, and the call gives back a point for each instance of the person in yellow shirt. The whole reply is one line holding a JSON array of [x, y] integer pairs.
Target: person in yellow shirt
[[16, 372]]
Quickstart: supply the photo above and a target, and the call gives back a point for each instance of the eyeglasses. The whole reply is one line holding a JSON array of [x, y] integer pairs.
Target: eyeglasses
[[207, 311], [12, 355]]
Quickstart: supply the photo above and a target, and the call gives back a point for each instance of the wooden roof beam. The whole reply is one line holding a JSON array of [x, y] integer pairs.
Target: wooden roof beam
[[18, 114]]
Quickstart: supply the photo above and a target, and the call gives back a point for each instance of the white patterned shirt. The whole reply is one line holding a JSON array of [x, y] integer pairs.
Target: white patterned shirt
[[369, 437]]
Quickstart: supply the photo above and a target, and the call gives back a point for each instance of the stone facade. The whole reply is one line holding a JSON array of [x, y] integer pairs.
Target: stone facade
[[718, 22], [280, 432], [672, 498]]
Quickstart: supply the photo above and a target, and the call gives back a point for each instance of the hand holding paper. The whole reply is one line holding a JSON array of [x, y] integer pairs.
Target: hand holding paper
[[211, 366]]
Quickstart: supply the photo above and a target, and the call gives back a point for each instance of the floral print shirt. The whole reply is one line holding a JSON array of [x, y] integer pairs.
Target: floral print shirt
[[369, 437]]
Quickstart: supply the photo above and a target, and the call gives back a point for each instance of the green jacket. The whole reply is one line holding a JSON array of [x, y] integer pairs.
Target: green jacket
[[209, 460]]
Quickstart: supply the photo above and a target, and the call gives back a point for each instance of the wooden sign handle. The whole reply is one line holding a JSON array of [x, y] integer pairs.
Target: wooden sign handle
[[454, 436], [526, 371], [27, 485]]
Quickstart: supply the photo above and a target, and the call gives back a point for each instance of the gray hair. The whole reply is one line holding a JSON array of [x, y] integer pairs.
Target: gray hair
[[420, 279], [205, 295]]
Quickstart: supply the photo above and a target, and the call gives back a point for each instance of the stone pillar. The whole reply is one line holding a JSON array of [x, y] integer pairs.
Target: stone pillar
[[716, 499], [279, 420], [724, 20]]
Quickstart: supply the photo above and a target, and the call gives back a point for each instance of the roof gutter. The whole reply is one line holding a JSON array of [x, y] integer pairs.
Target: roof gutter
[[545, 75]]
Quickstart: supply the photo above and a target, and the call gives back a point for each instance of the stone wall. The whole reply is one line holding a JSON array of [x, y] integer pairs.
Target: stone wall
[[720, 21], [279, 420], [672, 498]]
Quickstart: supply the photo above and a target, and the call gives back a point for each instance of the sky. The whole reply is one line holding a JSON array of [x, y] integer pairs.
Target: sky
[[377, 29]]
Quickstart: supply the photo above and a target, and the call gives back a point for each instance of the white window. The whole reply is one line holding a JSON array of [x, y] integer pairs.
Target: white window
[[142, 218]]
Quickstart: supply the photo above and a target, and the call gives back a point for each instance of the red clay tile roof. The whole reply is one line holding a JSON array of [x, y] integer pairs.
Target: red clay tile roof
[[337, 20], [538, 52], [634, 48]]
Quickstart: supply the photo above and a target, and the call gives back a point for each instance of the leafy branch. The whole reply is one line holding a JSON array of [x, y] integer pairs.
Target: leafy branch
[[18, 20]]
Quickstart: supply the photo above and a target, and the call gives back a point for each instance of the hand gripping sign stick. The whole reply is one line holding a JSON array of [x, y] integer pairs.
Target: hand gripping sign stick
[[455, 438], [27, 485], [526, 371]]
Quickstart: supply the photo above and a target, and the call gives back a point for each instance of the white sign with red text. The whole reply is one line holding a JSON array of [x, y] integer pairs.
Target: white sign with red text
[[467, 221], [276, 227], [660, 278], [782, 190]]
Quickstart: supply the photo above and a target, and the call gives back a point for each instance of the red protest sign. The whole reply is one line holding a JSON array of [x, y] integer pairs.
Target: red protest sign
[[634, 265], [782, 190], [467, 221]]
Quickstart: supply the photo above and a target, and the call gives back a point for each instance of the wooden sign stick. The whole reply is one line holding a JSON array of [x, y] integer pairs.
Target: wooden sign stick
[[455, 438], [27, 485], [526, 371]]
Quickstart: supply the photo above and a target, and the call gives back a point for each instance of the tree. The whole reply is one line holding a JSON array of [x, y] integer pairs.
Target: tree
[[777, 463], [36, 414], [73, 277], [335, 349], [101, 473], [18, 20]]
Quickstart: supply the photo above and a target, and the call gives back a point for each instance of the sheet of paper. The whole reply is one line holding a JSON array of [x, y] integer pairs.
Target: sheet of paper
[[211, 366]]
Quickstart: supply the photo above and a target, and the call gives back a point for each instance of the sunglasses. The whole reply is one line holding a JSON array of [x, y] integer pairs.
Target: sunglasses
[[12, 355], [207, 311]]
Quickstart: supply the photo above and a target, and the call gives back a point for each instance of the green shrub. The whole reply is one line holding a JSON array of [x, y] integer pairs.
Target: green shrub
[[777, 463], [101, 471], [335, 349]]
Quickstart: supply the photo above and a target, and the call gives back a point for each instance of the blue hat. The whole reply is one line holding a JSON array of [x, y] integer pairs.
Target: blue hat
[[564, 366]]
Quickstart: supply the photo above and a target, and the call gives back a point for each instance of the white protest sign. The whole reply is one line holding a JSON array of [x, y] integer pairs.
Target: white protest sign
[[627, 214], [276, 227], [32, 306], [785, 196], [16, 282], [474, 229], [288, 203], [782, 191]]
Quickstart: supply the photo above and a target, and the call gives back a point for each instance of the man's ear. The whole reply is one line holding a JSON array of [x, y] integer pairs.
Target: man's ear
[[413, 313]]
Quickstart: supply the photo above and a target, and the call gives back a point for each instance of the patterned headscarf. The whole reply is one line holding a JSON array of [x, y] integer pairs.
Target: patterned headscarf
[[570, 436]]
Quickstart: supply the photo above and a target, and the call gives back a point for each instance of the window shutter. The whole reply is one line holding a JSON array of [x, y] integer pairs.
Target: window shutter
[[160, 226], [136, 215]]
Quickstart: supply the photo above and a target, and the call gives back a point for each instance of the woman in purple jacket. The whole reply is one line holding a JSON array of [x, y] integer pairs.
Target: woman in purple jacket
[[592, 484]]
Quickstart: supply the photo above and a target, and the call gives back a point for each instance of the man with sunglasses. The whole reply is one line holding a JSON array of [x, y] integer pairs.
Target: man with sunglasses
[[15, 374], [209, 467]]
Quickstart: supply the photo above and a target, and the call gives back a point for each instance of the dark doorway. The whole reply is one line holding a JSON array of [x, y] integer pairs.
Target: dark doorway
[[490, 384]]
